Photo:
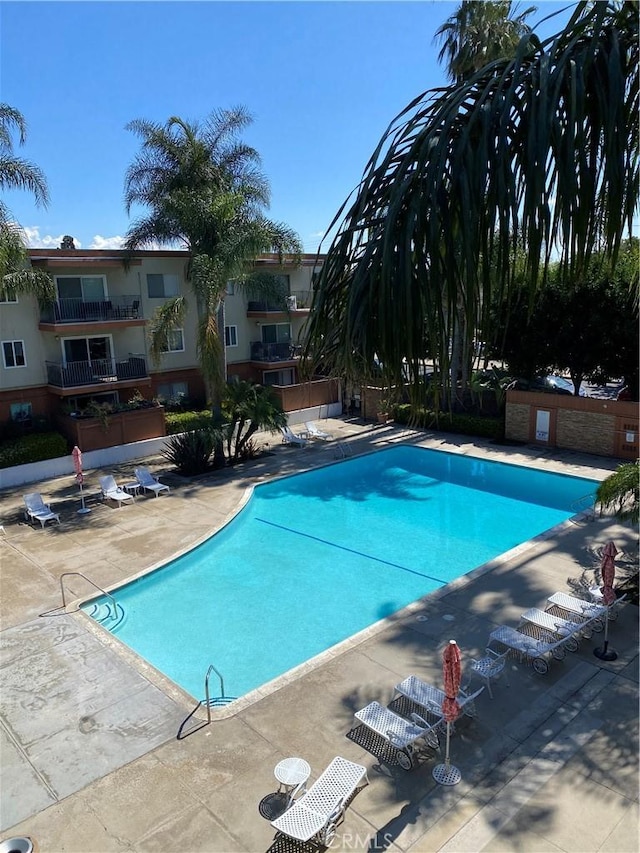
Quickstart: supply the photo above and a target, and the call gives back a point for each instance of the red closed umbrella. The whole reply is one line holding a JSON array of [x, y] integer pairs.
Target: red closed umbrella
[[608, 572], [451, 674], [446, 774], [76, 453]]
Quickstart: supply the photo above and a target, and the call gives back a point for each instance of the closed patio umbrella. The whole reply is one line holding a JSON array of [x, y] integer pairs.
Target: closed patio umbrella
[[608, 572], [446, 774], [76, 453]]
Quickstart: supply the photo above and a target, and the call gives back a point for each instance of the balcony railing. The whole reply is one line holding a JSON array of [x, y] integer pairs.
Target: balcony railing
[[274, 352], [80, 311], [98, 370], [297, 300]]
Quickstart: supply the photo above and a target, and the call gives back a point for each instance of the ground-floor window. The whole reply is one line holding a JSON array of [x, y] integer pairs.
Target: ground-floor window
[[80, 403], [20, 412], [172, 392], [278, 377]]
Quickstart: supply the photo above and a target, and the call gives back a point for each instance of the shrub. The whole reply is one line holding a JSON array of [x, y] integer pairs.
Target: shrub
[[191, 451], [445, 422], [187, 421], [32, 448]]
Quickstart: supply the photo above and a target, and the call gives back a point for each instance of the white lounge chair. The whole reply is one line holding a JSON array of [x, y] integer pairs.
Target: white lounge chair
[[399, 732], [533, 649], [314, 432], [431, 698], [565, 605], [550, 623], [289, 437], [317, 812], [113, 492], [148, 482], [37, 510]]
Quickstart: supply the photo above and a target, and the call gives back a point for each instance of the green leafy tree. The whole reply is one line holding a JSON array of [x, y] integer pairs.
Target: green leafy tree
[[539, 151], [249, 407], [202, 189], [16, 173], [588, 328]]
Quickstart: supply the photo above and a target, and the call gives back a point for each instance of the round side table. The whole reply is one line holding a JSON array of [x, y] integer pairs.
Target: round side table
[[291, 772]]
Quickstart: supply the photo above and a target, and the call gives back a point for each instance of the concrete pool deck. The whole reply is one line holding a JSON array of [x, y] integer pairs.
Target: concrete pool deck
[[89, 754]]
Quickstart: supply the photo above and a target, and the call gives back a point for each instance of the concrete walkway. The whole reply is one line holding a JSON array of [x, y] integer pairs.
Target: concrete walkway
[[90, 757]]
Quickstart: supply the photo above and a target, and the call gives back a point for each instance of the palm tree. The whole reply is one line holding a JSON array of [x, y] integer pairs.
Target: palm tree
[[540, 150], [479, 33], [17, 173], [249, 408], [203, 190]]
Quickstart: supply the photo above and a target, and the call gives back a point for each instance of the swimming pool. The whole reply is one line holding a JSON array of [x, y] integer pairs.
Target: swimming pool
[[316, 557]]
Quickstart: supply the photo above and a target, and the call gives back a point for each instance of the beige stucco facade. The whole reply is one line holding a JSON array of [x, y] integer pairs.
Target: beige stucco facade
[[94, 341]]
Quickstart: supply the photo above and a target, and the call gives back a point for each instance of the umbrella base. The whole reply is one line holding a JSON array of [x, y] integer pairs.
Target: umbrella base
[[605, 653], [446, 774], [84, 510]]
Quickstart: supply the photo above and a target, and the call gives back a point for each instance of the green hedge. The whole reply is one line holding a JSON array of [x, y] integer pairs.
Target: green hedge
[[445, 422], [32, 448], [187, 421]]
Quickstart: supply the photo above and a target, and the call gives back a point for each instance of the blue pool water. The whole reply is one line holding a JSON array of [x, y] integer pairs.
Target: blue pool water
[[316, 557]]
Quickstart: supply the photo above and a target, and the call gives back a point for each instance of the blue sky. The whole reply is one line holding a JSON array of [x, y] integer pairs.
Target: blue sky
[[322, 80]]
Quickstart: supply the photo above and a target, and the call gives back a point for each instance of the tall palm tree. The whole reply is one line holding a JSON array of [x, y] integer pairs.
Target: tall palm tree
[[18, 173], [203, 189], [539, 151], [479, 33]]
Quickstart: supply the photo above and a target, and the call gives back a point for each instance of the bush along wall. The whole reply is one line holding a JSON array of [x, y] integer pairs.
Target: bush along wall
[[32, 448], [187, 421], [483, 427]]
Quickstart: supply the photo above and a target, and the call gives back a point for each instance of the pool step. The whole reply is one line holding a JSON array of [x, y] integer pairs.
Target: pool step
[[108, 614]]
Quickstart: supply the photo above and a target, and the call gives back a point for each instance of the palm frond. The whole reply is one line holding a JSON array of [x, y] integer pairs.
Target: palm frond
[[168, 317], [537, 151]]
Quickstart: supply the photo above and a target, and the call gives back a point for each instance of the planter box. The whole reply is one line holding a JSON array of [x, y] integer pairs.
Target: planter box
[[121, 428]]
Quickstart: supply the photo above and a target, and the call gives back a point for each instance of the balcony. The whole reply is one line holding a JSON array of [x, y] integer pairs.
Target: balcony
[[296, 304], [99, 371], [275, 353], [117, 308]]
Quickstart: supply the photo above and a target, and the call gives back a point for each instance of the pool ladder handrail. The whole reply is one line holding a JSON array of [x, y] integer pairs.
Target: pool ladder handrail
[[93, 583], [586, 504], [206, 689], [223, 698], [88, 580]]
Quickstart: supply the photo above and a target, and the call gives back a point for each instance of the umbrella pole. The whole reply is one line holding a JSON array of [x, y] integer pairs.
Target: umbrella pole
[[446, 773], [83, 509], [604, 652]]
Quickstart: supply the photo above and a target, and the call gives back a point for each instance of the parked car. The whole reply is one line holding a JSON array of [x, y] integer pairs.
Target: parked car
[[551, 384]]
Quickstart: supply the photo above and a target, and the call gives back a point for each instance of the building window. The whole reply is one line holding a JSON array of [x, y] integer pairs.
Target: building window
[[8, 297], [85, 288], [173, 392], [278, 377], [231, 289], [276, 333], [21, 412], [13, 354], [161, 286], [175, 341], [231, 336]]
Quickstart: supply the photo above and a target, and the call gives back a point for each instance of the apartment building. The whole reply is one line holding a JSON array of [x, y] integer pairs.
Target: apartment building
[[92, 342]]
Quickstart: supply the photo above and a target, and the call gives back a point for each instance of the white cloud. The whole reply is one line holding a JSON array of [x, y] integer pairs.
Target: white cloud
[[99, 242], [35, 241]]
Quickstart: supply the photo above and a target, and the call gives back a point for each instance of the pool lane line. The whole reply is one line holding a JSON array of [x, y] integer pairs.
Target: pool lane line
[[351, 551]]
